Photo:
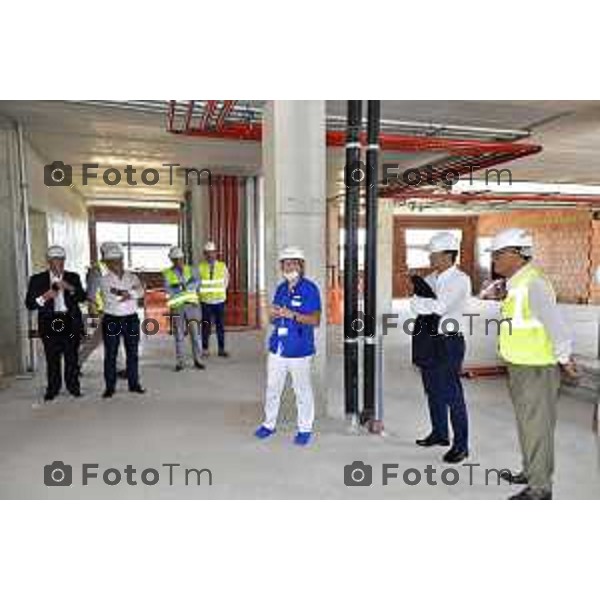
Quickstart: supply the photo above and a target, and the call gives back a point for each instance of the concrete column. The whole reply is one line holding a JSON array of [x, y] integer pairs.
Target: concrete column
[[13, 315], [200, 205], [294, 163], [385, 245], [333, 215]]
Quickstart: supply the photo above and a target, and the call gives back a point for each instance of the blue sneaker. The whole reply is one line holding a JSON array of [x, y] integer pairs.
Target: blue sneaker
[[262, 433], [303, 438]]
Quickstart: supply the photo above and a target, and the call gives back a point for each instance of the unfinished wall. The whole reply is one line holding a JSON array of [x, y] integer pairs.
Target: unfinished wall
[[66, 216], [57, 215], [563, 246]]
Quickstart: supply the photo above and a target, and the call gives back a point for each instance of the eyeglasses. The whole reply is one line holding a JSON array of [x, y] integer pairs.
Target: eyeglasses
[[503, 251]]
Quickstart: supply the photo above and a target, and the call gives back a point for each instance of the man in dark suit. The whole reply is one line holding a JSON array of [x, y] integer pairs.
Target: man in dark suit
[[56, 294]]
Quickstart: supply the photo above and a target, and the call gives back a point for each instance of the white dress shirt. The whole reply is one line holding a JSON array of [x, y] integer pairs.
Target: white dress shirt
[[59, 302], [453, 290], [113, 304]]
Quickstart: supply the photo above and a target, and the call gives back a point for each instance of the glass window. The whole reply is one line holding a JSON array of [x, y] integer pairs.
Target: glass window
[[107, 231], [164, 233], [146, 245], [148, 258]]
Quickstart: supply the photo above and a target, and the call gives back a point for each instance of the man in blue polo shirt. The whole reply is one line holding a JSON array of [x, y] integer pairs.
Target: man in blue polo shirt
[[295, 312]]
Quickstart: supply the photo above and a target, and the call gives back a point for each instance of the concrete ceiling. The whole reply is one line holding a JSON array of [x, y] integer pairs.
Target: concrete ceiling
[[77, 133]]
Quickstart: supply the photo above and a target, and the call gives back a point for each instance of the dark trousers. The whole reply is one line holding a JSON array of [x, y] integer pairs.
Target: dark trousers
[[445, 394], [55, 349], [216, 313], [113, 329]]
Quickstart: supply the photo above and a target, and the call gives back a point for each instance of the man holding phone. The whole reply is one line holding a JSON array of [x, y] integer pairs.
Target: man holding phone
[[121, 291], [55, 294]]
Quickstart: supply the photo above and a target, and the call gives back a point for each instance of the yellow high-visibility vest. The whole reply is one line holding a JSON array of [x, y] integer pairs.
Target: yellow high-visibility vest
[[212, 290], [99, 299], [525, 340], [185, 296]]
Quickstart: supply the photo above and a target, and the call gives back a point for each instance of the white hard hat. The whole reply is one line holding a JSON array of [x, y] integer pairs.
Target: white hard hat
[[512, 238], [56, 252], [106, 247], [291, 253], [114, 252], [443, 242], [176, 252], [210, 247]]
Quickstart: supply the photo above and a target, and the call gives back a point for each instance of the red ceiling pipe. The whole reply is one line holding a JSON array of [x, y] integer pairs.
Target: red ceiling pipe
[[388, 141], [188, 117], [211, 210], [218, 195], [224, 247], [236, 233], [227, 108], [171, 116], [208, 112]]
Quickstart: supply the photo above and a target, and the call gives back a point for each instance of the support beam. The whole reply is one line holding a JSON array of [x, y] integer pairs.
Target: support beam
[[353, 175], [294, 159], [370, 275]]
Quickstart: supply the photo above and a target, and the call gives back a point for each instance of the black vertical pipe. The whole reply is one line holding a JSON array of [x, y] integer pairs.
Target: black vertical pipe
[[370, 288], [353, 178]]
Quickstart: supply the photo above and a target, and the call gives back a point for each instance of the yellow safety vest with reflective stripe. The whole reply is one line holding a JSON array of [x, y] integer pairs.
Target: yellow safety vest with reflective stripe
[[525, 340], [212, 290], [174, 280], [103, 270]]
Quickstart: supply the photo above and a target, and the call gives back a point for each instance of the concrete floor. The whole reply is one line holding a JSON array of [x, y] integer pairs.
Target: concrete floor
[[206, 419]]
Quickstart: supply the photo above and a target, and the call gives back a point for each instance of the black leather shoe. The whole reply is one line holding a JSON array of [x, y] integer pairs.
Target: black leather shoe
[[76, 394], [432, 440], [531, 494], [455, 456], [199, 365], [223, 354], [48, 397], [178, 368], [514, 478], [138, 390], [108, 394]]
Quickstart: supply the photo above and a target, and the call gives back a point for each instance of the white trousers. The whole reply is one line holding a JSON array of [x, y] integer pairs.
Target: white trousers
[[300, 369]]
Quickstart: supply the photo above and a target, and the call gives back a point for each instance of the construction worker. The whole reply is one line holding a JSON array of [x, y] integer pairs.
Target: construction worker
[[214, 280], [536, 345], [181, 283], [55, 294], [121, 291], [441, 369], [95, 303], [295, 312]]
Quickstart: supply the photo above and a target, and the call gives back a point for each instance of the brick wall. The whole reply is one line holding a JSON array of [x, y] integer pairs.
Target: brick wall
[[565, 241]]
